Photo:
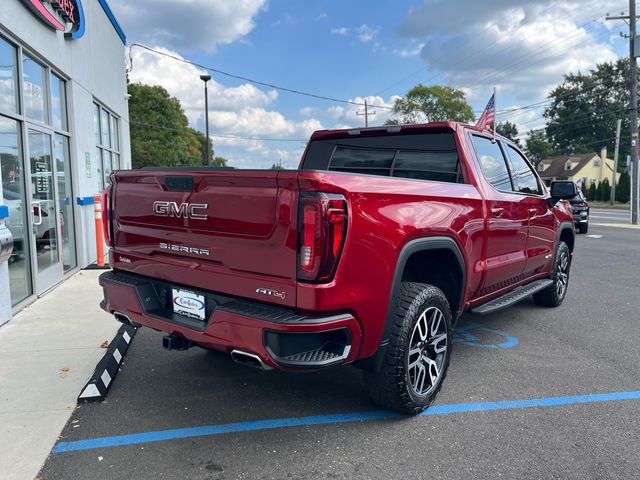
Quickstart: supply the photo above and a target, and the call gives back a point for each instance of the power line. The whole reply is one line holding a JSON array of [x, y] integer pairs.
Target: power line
[[504, 71], [222, 135], [250, 80]]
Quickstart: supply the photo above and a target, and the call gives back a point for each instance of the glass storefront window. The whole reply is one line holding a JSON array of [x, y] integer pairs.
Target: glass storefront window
[[115, 140], [35, 97], [100, 177], [96, 122], [104, 124], [58, 103], [13, 196], [8, 77], [65, 199], [107, 143], [108, 168]]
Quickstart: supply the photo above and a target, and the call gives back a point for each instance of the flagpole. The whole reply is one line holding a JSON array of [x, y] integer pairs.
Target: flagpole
[[495, 113]]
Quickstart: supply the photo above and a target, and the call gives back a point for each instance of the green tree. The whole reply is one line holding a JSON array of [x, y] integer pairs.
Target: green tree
[[538, 146], [598, 196], [160, 132], [508, 130], [606, 190], [623, 188], [277, 165], [592, 192], [584, 109], [432, 104]]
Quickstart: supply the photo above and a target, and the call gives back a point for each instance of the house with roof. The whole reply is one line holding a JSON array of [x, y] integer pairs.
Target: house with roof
[[583, 169]]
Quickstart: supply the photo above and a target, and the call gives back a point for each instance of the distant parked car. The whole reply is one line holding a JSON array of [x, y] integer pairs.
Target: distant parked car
[[580, 209]]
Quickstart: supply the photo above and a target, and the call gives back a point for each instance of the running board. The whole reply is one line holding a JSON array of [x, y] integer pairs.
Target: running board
[[514, 296]]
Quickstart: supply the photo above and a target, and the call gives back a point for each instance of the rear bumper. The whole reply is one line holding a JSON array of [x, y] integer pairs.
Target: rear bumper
[[280, 337]]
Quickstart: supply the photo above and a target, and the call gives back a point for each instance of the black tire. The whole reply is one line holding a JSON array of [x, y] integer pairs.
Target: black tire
[[392, 386], [583, 227], [554, 294]]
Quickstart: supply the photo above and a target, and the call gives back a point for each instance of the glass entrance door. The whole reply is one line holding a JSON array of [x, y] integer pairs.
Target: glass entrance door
[[45, 212]]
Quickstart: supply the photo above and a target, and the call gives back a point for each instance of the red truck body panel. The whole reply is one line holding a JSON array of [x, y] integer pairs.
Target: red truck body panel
[[251, 236]]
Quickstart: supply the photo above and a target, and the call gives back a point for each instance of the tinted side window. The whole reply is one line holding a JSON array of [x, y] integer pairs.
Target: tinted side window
[[438, 166], [492, 163], [524, 179], [416, 164], [423, 156], [359, 159]]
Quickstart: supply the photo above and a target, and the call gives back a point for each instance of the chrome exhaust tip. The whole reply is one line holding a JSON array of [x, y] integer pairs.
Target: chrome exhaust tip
[[248, 359], [122, 318]]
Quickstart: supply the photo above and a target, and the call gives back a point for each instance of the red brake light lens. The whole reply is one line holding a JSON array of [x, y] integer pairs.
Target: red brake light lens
[[106, 216], [323, 221]]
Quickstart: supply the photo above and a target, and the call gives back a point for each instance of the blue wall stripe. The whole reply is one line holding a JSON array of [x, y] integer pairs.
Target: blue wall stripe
[[112, 19], [210, 430], [85, 200]]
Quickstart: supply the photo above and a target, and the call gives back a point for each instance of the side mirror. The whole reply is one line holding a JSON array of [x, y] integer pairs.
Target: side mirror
[[563, 190]]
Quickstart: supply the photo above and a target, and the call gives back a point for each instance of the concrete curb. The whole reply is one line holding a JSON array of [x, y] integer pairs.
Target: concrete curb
[[107, 368]]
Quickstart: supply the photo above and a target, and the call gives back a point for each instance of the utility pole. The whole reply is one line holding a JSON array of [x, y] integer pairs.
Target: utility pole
[[633, 88], [366, 114], [615, 162], [633, 106]]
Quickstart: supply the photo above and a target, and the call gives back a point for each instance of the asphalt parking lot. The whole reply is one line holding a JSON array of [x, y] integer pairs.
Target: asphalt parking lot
[[571, 376]]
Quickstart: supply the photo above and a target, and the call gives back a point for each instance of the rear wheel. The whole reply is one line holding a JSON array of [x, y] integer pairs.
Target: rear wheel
[[583, 227], [554, 294], [416, 360]]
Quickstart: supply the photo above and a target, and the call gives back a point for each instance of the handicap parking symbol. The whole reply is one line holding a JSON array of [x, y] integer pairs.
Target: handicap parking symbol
[[474, 335]]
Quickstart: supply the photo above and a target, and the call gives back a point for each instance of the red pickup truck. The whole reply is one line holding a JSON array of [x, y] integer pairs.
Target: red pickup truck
[[365, 255]]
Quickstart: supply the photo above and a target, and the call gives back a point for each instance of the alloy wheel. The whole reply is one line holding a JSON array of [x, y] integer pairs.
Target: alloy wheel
[[562, 279], [427, 350]]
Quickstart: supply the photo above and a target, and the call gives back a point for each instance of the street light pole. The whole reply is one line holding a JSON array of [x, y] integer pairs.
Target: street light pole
[[207, 156]]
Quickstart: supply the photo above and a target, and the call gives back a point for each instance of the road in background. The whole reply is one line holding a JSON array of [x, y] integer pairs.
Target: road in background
[[609, 215], [587, 346]]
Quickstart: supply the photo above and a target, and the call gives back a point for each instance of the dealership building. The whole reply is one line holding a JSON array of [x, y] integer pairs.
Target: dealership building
[[63, 129]]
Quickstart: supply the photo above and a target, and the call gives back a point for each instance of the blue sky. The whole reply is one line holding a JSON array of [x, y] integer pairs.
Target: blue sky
[[354, 50]]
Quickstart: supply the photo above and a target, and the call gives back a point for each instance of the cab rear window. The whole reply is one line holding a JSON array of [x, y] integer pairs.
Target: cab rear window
[[424, 157]]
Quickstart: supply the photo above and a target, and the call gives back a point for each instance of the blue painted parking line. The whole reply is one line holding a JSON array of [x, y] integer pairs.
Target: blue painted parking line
[[212, 430]]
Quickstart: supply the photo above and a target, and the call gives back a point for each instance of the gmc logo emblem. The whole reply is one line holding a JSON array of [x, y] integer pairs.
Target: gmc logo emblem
[[196, 211]]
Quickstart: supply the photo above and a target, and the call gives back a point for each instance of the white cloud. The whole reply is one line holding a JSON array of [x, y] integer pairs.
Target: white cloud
[[367, 33], [307, 111], [182, 80], [411, 51], [524, 46], [187, 24], [236, 111], [350, 116], [344, 31]]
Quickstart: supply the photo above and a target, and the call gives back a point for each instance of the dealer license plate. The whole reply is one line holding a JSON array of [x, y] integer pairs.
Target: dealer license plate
[[189, 304]]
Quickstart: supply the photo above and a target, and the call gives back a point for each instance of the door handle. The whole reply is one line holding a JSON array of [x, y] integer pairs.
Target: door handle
[[497, 211], [533, 212], [37, 205]]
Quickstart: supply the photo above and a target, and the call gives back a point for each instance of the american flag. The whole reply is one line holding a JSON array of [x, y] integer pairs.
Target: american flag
[[488, 117]]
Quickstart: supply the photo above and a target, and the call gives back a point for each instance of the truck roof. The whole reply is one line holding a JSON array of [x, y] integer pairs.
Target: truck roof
[[386, 129]]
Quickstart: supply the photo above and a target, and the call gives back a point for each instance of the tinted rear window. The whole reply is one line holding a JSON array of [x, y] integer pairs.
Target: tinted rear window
[[425, 157]]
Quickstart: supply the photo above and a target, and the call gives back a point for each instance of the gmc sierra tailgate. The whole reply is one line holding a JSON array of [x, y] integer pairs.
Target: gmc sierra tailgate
[[224, 230]]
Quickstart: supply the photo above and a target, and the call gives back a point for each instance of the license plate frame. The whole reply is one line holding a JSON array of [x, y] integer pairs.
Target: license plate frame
[[188, 303]]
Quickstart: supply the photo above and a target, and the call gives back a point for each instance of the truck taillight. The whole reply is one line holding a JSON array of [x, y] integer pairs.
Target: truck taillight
[[106, 216], [323, 228]]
